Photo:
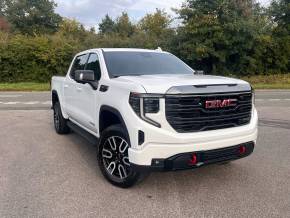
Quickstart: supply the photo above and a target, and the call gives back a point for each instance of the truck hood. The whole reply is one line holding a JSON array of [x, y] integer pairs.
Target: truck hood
[[168, 83]]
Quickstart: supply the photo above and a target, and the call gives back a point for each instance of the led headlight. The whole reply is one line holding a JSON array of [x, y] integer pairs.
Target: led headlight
[[143, 104]]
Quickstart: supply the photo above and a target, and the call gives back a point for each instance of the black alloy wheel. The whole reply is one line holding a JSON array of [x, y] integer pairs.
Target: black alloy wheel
[[113, 157], [60, 123]]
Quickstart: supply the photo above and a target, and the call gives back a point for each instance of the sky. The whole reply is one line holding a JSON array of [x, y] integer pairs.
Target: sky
[[91, 12]]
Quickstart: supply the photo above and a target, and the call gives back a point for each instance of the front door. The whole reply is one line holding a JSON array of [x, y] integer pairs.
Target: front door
[[71, 88], [88, 97]]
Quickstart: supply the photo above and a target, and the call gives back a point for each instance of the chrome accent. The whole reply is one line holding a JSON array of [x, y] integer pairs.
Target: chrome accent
[[207, 95], [208, 89]]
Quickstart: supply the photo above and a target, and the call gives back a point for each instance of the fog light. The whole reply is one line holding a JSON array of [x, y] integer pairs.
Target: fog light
[[242, 150], [193, 160]]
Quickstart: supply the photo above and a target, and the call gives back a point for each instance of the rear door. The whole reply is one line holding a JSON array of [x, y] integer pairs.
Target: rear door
[[71, 88], [87, 97]]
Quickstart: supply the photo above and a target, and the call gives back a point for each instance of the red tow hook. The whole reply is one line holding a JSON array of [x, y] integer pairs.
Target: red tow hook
[[193, 160], [242, 150]]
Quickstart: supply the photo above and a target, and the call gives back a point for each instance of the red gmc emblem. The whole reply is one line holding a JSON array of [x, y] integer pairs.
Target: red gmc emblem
[[221, 103]]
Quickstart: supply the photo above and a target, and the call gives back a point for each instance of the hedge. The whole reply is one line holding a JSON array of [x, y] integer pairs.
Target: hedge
[[34, 59]]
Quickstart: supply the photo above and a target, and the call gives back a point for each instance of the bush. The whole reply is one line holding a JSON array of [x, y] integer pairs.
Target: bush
[[228, 37], [34, 59], [37, 58]]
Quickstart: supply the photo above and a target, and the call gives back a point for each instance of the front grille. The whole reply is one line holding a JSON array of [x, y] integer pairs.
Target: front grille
[[187, 113]]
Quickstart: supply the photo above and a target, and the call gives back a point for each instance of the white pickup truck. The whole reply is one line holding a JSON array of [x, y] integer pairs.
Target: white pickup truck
[[148, 111]]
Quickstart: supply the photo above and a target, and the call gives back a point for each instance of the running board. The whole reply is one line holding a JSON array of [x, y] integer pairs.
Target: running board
[[88, 136]]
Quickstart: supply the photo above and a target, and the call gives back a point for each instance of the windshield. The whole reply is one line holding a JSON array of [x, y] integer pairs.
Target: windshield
[[126, 63]]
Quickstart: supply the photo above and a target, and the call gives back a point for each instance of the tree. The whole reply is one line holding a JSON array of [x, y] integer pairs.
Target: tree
[[107, 25], [123, 26], [3, 7], [156, 30], [31, 16], [71, 29], [4, 25], [218, 36], [279, 12], [92, 30], [156, 23]]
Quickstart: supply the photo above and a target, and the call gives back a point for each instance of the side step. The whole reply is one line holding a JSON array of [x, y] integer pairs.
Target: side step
[[88, 136]]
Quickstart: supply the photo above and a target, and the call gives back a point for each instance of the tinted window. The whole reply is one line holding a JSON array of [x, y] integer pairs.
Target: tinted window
[[94, 65], [144, 63], [79, 64]]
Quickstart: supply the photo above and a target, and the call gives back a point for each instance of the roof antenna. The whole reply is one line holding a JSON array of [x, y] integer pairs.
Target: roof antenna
[[159, 49]]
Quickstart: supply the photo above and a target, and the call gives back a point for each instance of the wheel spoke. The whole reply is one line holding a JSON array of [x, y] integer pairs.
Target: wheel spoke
[[115, 157], [111, 167], [126, 161], [107, 154], [122, 171], [123, 146], [114, 142], [113, 145]]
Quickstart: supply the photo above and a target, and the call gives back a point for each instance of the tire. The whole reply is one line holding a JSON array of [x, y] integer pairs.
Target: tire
[[113, 157], [60, 123]]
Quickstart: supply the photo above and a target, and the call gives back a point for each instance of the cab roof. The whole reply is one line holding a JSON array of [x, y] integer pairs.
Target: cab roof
[[130, 49], [121, 49]]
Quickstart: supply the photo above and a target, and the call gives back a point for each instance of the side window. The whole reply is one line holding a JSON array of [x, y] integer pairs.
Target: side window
[[94, 65], [79, 64]]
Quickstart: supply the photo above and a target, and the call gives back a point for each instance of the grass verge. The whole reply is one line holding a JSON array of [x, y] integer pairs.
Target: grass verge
[[276, 81], [24, 86]]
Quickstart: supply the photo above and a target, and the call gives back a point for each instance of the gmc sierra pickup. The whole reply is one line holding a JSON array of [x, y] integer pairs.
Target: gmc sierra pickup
[[148, 111]]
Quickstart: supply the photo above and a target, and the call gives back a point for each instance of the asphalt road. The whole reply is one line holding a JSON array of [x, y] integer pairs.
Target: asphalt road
[[25, 100], [43, 174]]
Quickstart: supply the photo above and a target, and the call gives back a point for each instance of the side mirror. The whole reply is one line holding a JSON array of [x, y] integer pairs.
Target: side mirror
[[199, 72], [86, 76]]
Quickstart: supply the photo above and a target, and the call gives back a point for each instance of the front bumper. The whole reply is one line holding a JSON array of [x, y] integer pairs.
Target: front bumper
[[162, 144], [183, 161]]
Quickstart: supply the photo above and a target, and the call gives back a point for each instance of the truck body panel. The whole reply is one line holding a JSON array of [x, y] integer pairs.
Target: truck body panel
[[175, 134]]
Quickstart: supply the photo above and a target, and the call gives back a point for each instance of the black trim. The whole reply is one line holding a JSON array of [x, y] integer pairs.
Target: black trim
[[53, 92], [141, 137], [91, 138], [96, 53], [187, 113], [115, 112], [180, 161], [74, 60], [104, 88]]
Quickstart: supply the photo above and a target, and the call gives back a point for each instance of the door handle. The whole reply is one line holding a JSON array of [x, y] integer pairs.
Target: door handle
[[65, 86], [79, 89]]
